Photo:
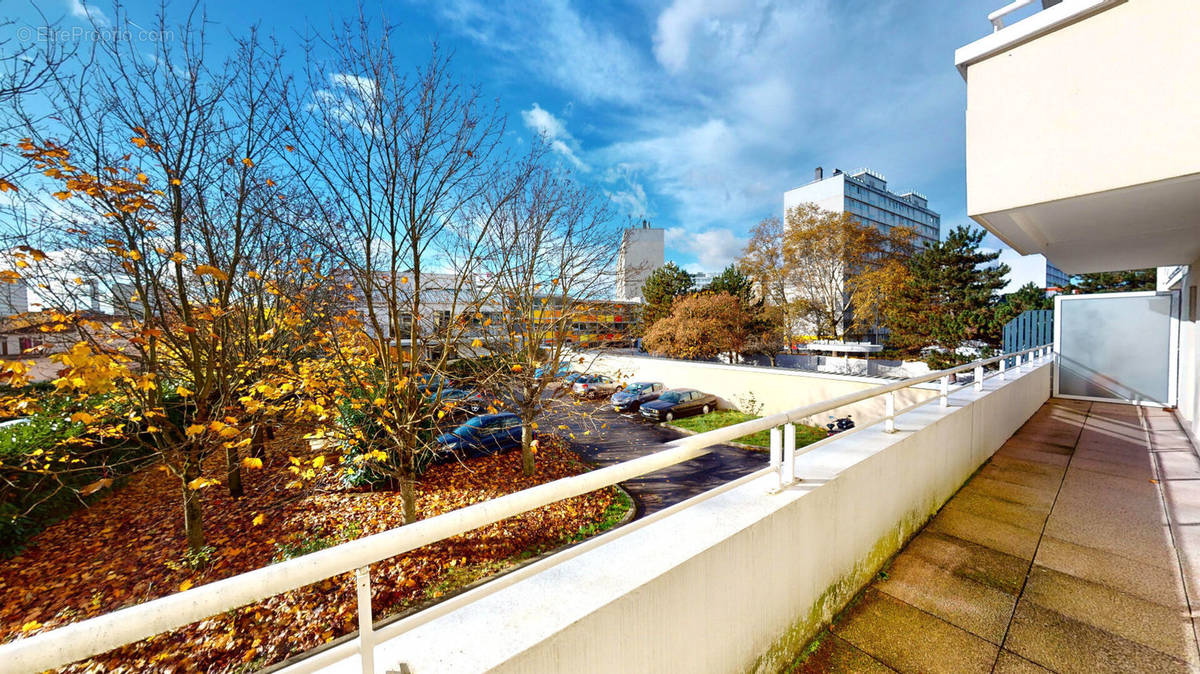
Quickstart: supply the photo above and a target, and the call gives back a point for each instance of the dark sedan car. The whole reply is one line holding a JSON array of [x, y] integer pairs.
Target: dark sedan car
[[466, 402], [679, 402], [483, 435], [630, 398]]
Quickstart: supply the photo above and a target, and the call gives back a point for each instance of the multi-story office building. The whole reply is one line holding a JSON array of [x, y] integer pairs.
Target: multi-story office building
[[865, 195]]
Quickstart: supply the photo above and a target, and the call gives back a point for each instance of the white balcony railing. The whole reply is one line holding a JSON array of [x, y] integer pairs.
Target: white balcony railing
[[97, 635], [997, 17]]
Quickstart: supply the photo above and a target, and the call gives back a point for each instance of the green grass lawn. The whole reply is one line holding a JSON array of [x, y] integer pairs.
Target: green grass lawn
[[805, 435]]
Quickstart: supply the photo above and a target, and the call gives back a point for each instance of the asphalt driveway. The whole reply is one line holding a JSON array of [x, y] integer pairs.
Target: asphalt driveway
[[628, 438]]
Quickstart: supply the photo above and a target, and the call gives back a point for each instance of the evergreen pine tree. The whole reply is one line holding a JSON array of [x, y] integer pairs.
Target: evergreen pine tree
[[950, 298]]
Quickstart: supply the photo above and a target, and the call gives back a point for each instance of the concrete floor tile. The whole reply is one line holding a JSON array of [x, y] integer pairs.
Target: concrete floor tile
[[1112, 521], [1169, 439], [910, 640], [1017, 514], [1061, 644], [1177, 465], [1099, 463], [1009, 663], [834, 654], [1012, 492], [963, 558], [997, 470], [1039, 468], [1001, 536], [1165, 629], [1187, 542], [979, 609], [1152, 583], [1182, 500], [1036, 453]]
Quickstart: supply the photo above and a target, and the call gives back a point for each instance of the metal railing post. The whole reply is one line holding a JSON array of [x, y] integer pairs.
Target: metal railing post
[[777, 456], [979, 377], [945, 393], [889, 412], [789, 454], [366, 634], [1003, 367]]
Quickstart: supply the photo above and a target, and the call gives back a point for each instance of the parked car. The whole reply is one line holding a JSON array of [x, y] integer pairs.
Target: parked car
[[594, 386], [467, 402], [427, 383], [679, 402], [482, 435], [630, 398], [562, 370]]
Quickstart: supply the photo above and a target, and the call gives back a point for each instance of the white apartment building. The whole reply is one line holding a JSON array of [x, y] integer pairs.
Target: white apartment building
[[865, 195]]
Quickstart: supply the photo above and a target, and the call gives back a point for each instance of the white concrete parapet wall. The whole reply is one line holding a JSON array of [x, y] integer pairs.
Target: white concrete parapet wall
[[739, 580], [776, 389]]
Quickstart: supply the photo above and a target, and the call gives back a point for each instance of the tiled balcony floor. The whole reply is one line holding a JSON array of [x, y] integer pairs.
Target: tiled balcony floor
[[1068, 552]]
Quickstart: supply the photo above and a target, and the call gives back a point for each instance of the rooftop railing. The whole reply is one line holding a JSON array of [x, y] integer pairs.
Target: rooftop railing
[[87, 638]]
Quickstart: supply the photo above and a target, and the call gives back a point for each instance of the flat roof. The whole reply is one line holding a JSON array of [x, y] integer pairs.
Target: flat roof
[[845, 347]]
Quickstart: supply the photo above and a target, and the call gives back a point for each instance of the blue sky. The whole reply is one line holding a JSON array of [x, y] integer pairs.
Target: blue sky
[[696, 115]]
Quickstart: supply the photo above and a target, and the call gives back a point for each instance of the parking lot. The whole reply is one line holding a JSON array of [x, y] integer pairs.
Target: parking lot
[[630, 437]]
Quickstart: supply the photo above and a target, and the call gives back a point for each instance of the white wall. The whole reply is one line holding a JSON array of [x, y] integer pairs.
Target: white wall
[[1103, 103], [776, 389], [739, 581]]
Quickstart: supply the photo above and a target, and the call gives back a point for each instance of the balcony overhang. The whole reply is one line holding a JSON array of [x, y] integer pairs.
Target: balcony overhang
[[1150, 225], [1029, 28]]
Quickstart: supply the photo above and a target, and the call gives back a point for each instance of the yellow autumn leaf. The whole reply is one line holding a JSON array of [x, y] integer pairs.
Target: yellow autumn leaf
[[253, 274], [185, 585], [142, 177], [258, 519], [83, 417], [201, 483], [319, 461], [30, 626], [210, 270], [247, 161], [183, 391], [6, 186], [252, 462], [476, 343], [178, 257], [195, 429]]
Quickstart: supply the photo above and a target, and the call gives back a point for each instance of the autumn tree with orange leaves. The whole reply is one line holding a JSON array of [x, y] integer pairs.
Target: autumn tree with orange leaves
[[840, 273], [166, 205]]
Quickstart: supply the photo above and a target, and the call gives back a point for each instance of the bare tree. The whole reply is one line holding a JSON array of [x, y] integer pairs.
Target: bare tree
[[409, 174], [554, 246]]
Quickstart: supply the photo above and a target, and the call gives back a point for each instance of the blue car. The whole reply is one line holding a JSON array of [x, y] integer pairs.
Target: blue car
[[563, 370], [483, 435]]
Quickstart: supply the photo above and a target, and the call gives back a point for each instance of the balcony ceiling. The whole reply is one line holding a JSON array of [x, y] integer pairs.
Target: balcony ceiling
[[1150, 225]]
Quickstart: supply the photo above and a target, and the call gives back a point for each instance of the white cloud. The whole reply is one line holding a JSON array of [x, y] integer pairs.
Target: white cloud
[[714, 108], [554, 132], [582, 58], [713, 249], [87, 12]]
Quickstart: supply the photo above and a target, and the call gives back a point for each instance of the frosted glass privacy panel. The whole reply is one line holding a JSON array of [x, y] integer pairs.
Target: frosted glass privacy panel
[[1116, 347]]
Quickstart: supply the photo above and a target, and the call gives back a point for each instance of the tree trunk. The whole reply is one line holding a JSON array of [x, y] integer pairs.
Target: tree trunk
[[192, 513], [527, 458], [408, 496], [233, 472], [258, 441]]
